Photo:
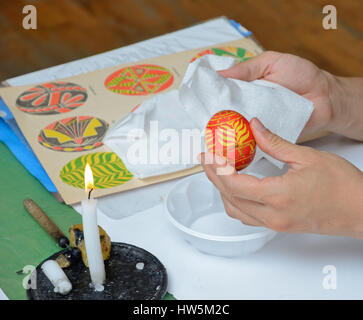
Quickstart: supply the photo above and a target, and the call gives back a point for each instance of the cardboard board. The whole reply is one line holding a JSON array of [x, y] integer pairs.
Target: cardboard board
[[87, 96]]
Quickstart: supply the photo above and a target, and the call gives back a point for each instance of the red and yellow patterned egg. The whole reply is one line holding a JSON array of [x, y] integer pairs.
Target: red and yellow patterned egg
[[229, 135]]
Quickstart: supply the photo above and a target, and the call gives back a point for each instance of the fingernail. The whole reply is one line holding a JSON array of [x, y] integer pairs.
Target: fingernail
[[257, 124], [199, 157]]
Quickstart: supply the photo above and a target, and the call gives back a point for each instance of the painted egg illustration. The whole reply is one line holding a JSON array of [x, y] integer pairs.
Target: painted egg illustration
[[229, 135], [107, 168], [52, 98], [73, 134], [239, 54], [140, 80]]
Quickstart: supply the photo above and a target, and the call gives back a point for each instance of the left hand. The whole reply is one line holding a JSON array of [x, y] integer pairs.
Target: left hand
[[300, 76], [320, 193]]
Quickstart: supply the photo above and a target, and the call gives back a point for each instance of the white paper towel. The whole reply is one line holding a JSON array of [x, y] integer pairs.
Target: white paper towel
[[153, 140]]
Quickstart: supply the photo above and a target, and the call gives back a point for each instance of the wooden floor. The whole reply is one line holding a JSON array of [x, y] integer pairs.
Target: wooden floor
[[72, 29]]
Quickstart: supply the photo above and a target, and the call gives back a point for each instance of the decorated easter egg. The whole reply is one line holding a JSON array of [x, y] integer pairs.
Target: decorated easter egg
[[229, 135]]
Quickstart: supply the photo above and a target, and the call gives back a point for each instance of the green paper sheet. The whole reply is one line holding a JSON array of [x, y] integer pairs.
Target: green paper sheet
[[22, 241]]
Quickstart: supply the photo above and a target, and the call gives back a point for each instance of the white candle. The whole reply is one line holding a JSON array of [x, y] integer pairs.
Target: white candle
[[57, 277], [92, 236]]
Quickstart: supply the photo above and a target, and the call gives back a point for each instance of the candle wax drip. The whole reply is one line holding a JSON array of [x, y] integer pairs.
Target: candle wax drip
[[97, 287], [139, 266]]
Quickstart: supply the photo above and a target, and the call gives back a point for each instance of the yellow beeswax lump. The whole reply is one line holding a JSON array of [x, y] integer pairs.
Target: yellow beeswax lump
[[77, 240]]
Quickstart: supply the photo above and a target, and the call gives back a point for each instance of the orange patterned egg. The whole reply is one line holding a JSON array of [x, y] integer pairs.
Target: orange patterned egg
[[228, 134]]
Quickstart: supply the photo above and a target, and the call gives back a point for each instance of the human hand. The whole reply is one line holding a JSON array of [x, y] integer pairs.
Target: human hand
[[320, 193], [296, 74]]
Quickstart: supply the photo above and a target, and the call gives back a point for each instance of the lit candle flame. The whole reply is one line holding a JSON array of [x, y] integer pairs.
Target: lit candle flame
[[88, 178]]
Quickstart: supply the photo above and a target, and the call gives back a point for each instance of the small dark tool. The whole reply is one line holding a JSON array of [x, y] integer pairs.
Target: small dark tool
[[47, 224], [132, 273]]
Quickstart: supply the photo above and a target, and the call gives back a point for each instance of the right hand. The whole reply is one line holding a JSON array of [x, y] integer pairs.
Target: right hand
[[296, 74], [320, 193]]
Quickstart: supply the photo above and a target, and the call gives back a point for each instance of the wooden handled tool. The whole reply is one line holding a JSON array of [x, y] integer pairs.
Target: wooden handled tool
[[47, 224]]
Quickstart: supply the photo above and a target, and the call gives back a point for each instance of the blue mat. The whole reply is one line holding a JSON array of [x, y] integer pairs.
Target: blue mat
[[12, 137]]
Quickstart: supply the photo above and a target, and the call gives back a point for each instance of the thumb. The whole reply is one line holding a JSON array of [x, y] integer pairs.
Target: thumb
[[274, 145], [252, 69]]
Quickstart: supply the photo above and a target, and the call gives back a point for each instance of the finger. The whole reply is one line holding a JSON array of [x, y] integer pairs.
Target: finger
[[252, 69], [224, 176], [274, 145], [213, 166], [236, 213], [255, 210], [239, 185]]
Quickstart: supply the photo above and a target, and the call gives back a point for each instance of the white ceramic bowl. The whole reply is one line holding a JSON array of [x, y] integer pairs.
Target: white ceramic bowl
[[194, 207]]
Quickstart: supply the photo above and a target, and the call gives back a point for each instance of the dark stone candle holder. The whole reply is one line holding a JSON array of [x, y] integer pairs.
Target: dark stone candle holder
[[132, 273]]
